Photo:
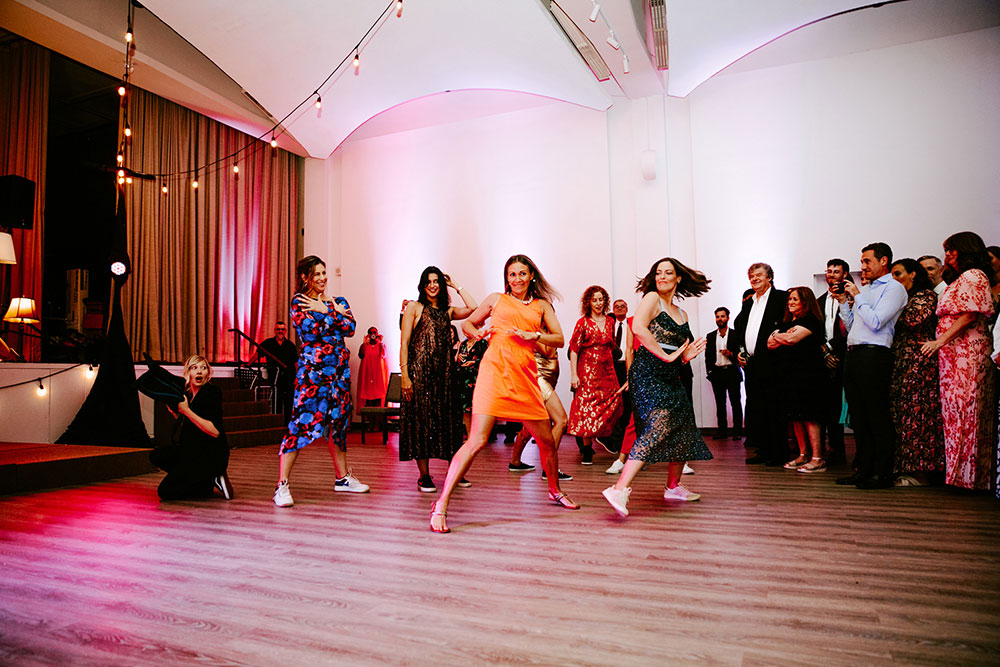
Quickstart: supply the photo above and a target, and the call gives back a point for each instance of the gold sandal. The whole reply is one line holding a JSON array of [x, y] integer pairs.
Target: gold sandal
[[444, 526], [563, 500]]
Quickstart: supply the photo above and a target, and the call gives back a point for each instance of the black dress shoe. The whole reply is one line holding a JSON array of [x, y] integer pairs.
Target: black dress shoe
[[876, 482], [851, 480], [756, 460]]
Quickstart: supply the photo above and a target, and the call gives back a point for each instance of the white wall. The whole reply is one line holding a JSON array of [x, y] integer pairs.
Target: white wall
[[790, 165]]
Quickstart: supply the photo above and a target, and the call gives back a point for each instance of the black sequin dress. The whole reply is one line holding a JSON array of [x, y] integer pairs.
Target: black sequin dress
[[664, 418], [430, 424]]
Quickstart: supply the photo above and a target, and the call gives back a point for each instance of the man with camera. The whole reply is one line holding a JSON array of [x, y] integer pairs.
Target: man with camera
[[870, 313], [837, 273]]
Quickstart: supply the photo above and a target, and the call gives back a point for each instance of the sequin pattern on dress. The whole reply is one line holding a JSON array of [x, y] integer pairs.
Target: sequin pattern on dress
[[664, 418]]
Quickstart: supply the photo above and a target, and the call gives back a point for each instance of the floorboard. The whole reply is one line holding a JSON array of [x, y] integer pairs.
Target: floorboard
[[770, 567]]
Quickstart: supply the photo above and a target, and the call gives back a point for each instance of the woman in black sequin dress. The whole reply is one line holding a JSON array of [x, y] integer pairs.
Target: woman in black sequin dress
[[664, 417], [430, 417]]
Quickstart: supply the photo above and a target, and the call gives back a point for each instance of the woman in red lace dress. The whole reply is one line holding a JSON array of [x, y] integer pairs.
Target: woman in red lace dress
[[597, 403]]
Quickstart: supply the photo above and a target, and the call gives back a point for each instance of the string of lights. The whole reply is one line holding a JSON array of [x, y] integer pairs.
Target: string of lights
[[125, 174], [42, 389]]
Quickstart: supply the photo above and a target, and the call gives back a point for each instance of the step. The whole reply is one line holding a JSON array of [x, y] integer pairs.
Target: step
[[256, 437], [242, 408], [238, 423], [30, 467], [237, 395]]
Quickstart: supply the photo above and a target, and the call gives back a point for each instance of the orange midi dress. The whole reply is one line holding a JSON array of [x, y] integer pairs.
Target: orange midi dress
[[507, 384]]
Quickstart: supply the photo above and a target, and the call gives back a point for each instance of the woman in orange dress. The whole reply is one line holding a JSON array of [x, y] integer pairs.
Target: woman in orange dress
[[507, 385]]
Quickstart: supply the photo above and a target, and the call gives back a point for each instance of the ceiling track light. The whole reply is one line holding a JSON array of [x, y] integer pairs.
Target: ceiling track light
[[594, 13], [625, 66], [613, 41]]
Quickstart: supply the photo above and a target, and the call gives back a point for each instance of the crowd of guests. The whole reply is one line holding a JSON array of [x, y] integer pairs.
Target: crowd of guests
[[911, 348]]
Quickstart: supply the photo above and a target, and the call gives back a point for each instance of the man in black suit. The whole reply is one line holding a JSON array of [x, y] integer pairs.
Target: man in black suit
[[763, 308], [837, 271], [724, 373]]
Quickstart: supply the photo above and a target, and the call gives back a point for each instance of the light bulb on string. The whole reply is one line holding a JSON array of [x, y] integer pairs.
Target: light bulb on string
[[236, 169], [120, 158], [194, 184], [128, 179], [399, 9], [357, 62], [121, 180], [128, 37], [41, 388], [164, 189], [121, 173], [274, 142], [89, 372], [121, 90], [128, 130], [319, 100]]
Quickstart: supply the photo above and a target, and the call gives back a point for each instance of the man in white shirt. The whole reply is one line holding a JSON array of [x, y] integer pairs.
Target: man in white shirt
[[934, 272], [613, 443], [763, 308], [724, 373]]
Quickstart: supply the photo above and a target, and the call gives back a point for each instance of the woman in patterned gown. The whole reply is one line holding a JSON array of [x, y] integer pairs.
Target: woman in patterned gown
[[430, 420], [664, 417], [964, 345], [915, 394], [321, 408], [507, 386], [597, 403]]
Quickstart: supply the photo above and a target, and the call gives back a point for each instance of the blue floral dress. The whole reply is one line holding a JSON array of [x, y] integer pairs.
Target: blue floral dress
[[322, 404]]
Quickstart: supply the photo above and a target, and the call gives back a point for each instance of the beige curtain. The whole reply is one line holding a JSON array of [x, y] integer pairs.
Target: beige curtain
[[24, 115], [209, 259]]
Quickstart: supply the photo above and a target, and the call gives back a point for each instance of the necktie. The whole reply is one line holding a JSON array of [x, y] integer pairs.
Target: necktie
[[618, 335]]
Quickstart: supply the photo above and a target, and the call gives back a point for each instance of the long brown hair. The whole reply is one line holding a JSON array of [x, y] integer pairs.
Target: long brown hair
[[809, 303], [971, 254], [304, 271], [692, 282], [538, 288], [588, 295]]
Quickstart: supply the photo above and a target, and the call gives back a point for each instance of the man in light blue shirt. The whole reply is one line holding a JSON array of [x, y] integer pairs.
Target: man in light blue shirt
[[870, 313]]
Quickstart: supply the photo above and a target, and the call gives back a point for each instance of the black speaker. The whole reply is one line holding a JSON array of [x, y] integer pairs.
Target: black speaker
[[17, 202]]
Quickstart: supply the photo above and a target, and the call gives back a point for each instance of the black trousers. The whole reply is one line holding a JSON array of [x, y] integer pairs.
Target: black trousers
[[726, 381], [189, 475], [766, 427], [867, 375], [832, 429]]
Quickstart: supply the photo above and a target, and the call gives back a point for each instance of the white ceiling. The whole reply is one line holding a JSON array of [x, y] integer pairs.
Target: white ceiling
[[496, 55]]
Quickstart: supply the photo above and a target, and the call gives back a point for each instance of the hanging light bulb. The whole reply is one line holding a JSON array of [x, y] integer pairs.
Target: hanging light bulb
[[128, 179], [194, 184], [128, 37], [121, 180], [41, 388], [236, 169], [357, 62], [128, 130], [319, 101], [163, 189], [274, 142], [121, 158], [90, 372], [121, 173], [121, 90], [399, 9]]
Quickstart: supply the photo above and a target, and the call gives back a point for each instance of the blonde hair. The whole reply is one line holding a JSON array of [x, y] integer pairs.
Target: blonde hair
[[191, 361]]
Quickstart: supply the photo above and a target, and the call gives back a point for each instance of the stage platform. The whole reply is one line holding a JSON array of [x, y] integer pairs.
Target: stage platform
[[32, 466]]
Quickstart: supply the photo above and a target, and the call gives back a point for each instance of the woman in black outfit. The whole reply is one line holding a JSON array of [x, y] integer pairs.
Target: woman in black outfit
[[196, 463]]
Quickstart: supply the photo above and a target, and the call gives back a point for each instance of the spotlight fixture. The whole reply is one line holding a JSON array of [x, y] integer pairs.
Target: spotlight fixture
[[594, 13], [625, 66], [613, 41], [118, 268], [41, 388]]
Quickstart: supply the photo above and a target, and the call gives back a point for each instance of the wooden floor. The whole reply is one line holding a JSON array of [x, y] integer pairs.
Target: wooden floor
[[771, 567]]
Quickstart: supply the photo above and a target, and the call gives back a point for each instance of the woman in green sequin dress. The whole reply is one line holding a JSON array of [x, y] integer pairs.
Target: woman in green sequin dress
[[664, 416]]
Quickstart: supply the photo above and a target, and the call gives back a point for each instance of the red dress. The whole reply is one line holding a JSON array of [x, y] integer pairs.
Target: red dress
[[597, 405], [373, 373]]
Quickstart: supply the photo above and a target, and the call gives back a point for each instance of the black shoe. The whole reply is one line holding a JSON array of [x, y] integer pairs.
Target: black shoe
[[222, 484], [520, 467], [611, 449], [756, 460], [876, 482], [426, 484], [588, 456], [851, 480], [464, 483], [563, 477]]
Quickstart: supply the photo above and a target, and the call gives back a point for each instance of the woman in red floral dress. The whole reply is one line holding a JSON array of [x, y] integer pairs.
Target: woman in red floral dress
[[597, 403]]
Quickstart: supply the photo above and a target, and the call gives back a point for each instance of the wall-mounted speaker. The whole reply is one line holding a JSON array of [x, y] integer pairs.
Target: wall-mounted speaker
[[17, 202]]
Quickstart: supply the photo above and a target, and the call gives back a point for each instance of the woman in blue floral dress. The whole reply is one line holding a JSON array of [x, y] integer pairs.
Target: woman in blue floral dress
[[322, 404]]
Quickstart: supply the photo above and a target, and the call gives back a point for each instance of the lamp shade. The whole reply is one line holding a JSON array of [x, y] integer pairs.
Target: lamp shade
[[7, 255], [21, 311]]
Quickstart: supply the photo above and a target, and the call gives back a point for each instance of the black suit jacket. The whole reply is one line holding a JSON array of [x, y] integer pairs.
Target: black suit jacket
[[774, 311], [839, 341], [732, 345]]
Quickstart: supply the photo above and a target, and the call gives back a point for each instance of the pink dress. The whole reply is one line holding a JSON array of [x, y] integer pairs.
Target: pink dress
[[967, 382], [373, 373]]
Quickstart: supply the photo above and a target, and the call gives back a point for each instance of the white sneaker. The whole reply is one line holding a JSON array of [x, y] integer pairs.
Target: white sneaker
[[615, 468], [688, 470], [282, 496], [680, 493], [350, 484], [618, 499]]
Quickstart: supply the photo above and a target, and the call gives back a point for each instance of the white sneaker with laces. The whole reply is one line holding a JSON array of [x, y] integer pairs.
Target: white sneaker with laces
[[615, 467], [688, 470], [617, 499], [680, 493], [282, 495], [350, 484], [222, 484]]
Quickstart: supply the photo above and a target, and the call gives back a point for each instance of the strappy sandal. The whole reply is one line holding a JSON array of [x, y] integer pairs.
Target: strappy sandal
[[818, 466], [796, 463], [444, 526], [563, 500]]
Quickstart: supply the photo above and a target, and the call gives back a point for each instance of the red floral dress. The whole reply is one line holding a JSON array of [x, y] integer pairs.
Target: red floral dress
[[967, 400], [597, 405]]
